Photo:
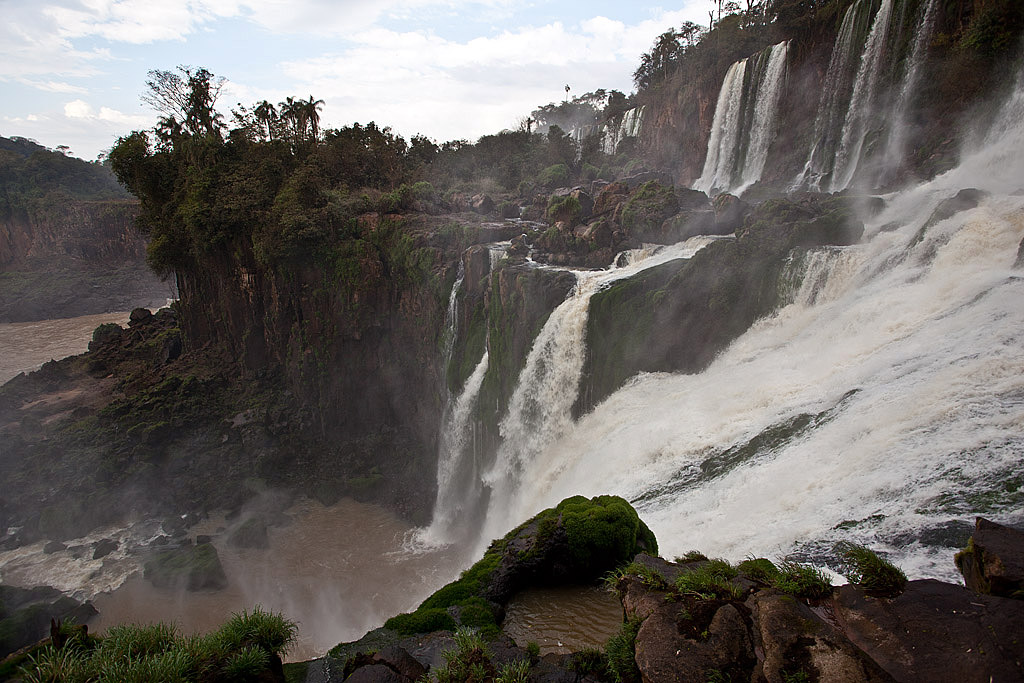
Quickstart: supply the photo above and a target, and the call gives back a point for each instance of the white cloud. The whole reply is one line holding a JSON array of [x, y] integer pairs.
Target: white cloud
[[418, 82], [78, 109]]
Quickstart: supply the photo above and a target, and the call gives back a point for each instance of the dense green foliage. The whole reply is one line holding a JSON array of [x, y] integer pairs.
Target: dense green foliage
[[710, 581], [241, 650], [621, 653], [37, 181]]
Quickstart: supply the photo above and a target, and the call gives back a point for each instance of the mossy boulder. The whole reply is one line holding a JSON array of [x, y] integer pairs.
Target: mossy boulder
[[647, 209], [575, 542], [191, 567]]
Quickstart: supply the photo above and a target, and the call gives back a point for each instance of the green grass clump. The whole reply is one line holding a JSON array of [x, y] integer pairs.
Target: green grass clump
[[589, 662], [711, 581], [621, 653], [645, 574], [802, 580], [514, 672], [240, 650], [759, 569], [866, 569], [469, 662]]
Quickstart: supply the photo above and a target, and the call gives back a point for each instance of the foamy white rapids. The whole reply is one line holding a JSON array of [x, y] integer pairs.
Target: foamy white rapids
[[73, 571], [540, 410], [884, 402]]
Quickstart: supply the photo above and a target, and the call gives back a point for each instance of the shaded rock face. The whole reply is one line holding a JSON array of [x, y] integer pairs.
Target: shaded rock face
[[936, 631], [993, 561], [678, 316], [25, 615]]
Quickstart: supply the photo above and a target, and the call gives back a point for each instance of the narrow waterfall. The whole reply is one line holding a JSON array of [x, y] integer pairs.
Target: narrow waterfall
[[882, 405], [858, 116], [835, 94], [723, 144], [895, 150], [760, 131], [744, 122], [457, 467], [540, 410], [628, 127]]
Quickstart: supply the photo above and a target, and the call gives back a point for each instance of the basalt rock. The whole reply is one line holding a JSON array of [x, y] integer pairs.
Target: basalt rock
[[993, 561], [678, 316]]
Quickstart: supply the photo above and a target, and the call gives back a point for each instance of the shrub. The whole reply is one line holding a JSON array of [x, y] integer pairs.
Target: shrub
[[106, 332], [514, 672], [554, 176], [802, 580], [866, 569], [565, 208], [269, 631], [589, 662]]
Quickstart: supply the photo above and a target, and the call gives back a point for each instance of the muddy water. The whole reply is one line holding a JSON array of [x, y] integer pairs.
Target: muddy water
[[563, 620], [338, 572], [26, 346]]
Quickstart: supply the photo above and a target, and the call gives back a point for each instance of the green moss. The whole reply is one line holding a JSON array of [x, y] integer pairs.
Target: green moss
[[421, 621], [565, 209], [605, 529], [710, 581]]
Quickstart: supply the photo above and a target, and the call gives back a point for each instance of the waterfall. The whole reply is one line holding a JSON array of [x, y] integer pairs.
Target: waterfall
[[723, 144], [883, 405], [540, 410], [855, 127], [744, 122], [835, 94], [896, 147], [629, 127]]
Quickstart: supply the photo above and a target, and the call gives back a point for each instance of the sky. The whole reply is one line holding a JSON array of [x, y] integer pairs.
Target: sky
[[72, 71]]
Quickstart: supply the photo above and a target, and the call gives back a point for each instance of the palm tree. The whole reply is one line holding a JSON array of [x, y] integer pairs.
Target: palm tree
[[266, 114], [312, 115]]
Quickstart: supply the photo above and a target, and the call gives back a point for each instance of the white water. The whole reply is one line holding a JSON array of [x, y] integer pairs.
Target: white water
[[723, 144], [629, 127], [766, 109], [906, 353], [855, 127], [744, 123], [540, 410], [833, 102], [896, 146]]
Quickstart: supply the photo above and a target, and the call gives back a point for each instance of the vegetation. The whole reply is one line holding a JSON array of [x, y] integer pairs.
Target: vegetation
[[802, 580], [710, 581], [241, 650], [621, 653], [866, 569]]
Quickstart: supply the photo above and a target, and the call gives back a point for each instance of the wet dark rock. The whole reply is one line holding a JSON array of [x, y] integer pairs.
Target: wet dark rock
[[730, 212], [193, 568], [104, 548], [171, 348], [964, 200], [482, 203], [376, 673], [203, 538], [400, 661], [25, 614], [936, 631], [250, 534], [139, 316], [795, 639], [637, 179], [993, 561], [53, 547], [1019, 263]]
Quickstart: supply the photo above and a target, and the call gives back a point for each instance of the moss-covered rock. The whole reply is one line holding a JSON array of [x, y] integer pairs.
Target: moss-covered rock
[[191, 567], [575, 542]]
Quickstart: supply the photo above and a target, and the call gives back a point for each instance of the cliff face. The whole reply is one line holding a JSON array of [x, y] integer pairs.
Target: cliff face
[[68, 242]]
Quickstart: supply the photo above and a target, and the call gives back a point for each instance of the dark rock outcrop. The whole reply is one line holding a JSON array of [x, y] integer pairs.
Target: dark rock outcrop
[[993, 561], [25, 615], [678, 316], [193, 568]]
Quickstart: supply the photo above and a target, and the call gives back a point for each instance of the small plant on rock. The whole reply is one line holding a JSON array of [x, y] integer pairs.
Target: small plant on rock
[[621, 652], [710, 582], [802, 580], [866, 569]]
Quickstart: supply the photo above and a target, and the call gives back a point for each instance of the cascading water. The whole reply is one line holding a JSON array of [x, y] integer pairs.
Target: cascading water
[[895, 150], [540, 410], [835, 94], [744, 122], [628, 127], [883, 405], [857, 122]]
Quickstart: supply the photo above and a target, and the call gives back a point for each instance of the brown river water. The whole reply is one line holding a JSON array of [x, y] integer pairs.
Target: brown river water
[[337, 571]]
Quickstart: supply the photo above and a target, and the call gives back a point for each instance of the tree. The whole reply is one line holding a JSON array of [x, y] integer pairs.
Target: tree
[[188, 96]]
